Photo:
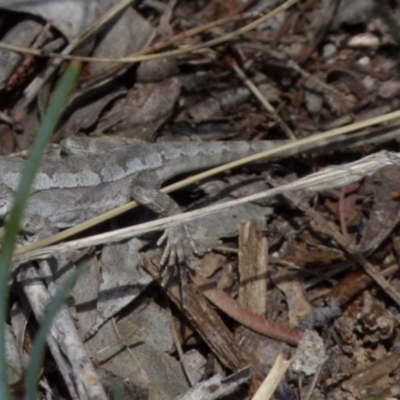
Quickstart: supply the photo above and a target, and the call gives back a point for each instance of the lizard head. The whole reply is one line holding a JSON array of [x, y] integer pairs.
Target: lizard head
[[5, 201]]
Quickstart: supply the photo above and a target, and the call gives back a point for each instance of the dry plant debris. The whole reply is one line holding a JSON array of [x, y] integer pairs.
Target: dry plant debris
[[294, 295]]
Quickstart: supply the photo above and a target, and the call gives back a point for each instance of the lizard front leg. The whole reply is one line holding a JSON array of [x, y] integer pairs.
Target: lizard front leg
[[175, 238]]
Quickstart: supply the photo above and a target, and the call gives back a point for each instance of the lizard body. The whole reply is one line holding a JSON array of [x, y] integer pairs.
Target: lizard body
[[72, 188]]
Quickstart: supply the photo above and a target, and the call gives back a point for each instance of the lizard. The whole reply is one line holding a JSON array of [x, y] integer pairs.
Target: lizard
[[94, 176], [86, 177]]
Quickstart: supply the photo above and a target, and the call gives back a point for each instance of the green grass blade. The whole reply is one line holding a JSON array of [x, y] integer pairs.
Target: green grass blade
[[118, 393], [39, 344], [56, 107]]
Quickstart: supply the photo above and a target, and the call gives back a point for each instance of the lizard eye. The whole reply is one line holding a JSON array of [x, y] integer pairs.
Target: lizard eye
[[4, 207]]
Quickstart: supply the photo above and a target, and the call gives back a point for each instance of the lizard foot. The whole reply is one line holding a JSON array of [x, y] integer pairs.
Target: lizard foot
[[178, 253], [175, 242]]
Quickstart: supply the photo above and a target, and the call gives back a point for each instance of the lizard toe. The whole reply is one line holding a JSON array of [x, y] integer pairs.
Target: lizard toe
[[174, 250]]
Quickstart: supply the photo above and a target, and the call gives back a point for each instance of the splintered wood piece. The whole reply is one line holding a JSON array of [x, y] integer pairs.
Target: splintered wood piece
[[255, 322], [271, 382], [73, 361], [368, 377], [253, 267], [217, 386], [205, 320]]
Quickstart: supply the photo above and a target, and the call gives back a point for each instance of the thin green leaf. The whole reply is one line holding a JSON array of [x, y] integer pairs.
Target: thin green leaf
[[39, 344], [56, 107], [118, 393]]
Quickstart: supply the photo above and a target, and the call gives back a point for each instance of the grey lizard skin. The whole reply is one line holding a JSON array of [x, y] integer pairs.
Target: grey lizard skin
[[98, 176]]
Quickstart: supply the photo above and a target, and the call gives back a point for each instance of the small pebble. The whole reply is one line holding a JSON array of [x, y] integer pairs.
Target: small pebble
[[389, 89], [329, 51], [364, 61]]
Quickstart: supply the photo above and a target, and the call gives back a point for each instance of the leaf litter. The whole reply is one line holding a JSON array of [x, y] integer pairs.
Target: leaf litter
[[315, 269]]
